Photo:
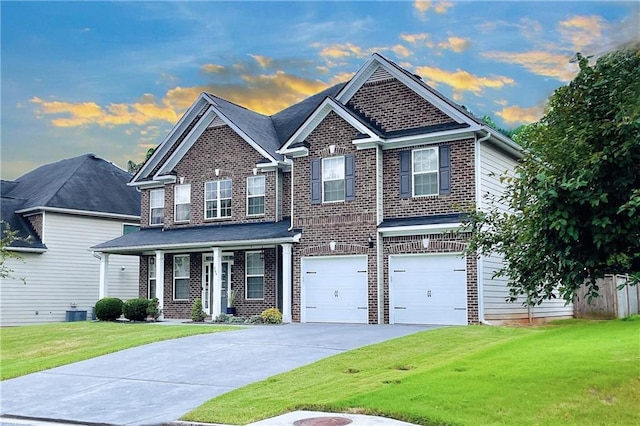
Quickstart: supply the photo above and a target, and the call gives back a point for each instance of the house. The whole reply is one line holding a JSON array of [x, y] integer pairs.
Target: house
[[60, 210], [341, 208]]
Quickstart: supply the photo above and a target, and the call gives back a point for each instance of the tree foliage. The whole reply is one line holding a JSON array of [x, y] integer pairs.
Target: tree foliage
[[9, 237], [133, 167], [575, 196]]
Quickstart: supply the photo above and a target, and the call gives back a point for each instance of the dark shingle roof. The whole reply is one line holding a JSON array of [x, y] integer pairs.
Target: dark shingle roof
[[209, 235], [81, 183], [26, 234]]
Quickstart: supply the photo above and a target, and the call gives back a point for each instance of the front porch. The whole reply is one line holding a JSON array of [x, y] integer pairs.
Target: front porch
[[219, 264]]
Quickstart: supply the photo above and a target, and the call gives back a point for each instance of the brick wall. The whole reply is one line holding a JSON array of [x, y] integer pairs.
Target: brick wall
[[463, 193], [246, 307], [396, 107], [438, 243]]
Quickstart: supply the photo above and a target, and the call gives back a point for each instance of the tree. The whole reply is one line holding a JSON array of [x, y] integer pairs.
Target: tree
[[9, 237], [575, 196], [133, 167]]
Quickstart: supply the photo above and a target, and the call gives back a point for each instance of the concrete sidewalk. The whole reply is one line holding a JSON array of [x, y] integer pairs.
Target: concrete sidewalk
[[160, 382]]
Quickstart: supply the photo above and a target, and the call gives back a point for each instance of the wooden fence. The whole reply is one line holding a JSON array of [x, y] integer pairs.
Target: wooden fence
[[611, 302]]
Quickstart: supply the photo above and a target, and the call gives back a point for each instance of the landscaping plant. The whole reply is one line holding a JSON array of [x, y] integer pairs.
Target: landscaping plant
[[197, 314], [109, 309], [135, 309], [271, 316]]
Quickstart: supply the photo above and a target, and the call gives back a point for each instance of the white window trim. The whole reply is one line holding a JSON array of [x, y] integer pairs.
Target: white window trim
[[323, 180], [180, 278], [151, 207], [151, 266], [264, 196], [218, 209], [413, 173], [175, 203], [246, 277]]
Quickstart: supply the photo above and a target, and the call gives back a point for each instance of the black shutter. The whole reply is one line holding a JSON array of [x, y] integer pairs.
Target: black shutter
[[316, 182], [445, 169], [349, 177], [405, 174]]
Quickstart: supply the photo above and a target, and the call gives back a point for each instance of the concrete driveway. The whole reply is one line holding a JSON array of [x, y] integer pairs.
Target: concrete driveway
[[162, 381]]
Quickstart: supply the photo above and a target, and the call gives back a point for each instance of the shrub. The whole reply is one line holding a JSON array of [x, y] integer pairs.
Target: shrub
[[197, 314], [253, 319], [271, 316], [221, 318], [108, 309], [152, 308], [135, 309]]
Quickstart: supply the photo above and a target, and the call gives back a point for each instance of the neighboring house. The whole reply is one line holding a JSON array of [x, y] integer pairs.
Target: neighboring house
[[63, 209], [341, 208]]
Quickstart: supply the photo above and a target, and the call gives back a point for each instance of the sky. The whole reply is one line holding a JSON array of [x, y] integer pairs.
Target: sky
[[112, 78]]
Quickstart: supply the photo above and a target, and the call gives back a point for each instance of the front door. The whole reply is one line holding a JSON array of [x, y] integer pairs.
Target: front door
[[207, 285]]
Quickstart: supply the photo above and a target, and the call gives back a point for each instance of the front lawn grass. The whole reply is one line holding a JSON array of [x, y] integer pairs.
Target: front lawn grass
[[569, 372], [32, 348]]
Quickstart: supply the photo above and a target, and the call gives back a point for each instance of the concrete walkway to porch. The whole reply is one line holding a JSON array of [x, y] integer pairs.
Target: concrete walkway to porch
[[160, 382]]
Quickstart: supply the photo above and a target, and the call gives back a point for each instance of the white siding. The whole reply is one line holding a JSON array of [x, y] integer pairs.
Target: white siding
[[493, 164], [67, 272]]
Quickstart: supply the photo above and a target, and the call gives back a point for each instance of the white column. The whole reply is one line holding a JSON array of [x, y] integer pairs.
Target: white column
[[217, 282], [287, 272], [160, 281], [104, 276]]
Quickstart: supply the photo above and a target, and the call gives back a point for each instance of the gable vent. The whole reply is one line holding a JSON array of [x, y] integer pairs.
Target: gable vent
[[217, 122], [379, 75]]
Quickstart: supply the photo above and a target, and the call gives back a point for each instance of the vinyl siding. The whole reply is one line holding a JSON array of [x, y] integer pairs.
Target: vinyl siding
[[67, 272], [493, 164]]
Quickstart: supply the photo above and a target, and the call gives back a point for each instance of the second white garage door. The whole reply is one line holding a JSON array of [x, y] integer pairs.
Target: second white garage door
[[428, 289], [334, 289]]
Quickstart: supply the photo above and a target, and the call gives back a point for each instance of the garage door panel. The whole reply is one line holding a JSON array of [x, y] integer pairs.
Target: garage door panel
[[335, 289], [428, 289]]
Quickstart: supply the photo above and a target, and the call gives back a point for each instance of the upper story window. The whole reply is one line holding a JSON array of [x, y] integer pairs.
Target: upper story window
[[425, 172], [182, 198], [333, 179], [156, 206], [255, 195], [217, 199]]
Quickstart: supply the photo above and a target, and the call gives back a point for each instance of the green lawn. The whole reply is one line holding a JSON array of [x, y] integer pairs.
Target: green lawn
[[32, 348], [570, 372]]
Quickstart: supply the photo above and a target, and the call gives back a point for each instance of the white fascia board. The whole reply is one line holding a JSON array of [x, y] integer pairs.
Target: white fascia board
[[398, 231], [504, 142], [370, 66], [187, 143], [202, 245], [26, 249], [436, 137], [171, 138], [316, 118], [79, 213]]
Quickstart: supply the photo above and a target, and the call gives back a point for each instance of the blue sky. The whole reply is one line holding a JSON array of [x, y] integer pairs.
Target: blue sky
[[113, 77]]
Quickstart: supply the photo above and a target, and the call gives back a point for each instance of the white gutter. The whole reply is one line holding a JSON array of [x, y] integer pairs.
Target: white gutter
[[397, 231], [26, 249], [79, 212], [291, 196], [486, 137]]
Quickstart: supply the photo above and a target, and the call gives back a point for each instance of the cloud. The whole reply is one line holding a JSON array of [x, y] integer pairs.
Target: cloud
[[401, 51], [263, 61], [414, 38], [342, 51], [462, 81], [538, 62], [581, 31], [520, 115], [212, 68], [457, 44], [423, 6]]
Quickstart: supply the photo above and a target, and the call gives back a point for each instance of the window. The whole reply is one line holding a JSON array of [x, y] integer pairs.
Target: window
[[254, 266], [425, 171], [182, 197], [156, 205], [333, 179], [152, 278], [128, 228], [217, 199], [255, 195], [181, 277]]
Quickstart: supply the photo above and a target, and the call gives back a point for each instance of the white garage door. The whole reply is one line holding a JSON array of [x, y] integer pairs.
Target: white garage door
[[428, 289], [334, 289]]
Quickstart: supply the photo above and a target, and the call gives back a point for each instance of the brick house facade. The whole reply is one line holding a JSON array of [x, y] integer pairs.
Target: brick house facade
[[364, 187]]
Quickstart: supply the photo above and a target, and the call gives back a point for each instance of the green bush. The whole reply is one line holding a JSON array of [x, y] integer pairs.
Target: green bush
[[271, 316], [108, 309], [135, 309], [197, 314], [253, 319], [152, 309]]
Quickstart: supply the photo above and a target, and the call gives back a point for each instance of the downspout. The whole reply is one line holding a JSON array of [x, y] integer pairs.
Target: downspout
[[480, 263], [485, 137], [291, 195], [96, 254]]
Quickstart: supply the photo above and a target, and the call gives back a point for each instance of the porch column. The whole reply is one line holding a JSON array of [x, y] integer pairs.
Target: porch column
[[217, 282], [104, 276], [160, 281], [287, 271]]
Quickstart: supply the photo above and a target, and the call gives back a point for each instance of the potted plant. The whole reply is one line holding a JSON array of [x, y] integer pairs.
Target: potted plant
[[231, 310]]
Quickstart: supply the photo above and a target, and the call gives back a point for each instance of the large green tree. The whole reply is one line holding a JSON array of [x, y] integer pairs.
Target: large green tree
[[575, 196]]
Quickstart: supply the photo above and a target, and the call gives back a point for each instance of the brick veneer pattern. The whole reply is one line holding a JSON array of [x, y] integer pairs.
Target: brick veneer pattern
[[36, 223]]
